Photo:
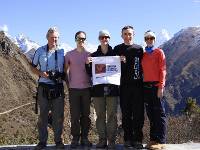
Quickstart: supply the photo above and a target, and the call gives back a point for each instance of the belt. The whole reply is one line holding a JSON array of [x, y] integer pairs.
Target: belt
[[150, 84]]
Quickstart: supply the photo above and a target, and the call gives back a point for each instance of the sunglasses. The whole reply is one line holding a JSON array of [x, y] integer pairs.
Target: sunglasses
[[149, 38], [80, 39], [104, 37]]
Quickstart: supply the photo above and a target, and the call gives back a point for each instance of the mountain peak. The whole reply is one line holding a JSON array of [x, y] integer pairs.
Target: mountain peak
[[25, 44], [183, 74], [188, 30], [162, 37]]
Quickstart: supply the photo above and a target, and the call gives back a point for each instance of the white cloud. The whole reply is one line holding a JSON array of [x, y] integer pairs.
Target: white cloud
[[4, 28]]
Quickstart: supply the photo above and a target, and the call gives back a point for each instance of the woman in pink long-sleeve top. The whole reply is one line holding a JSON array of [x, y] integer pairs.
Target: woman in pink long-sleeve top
[[79, 91]]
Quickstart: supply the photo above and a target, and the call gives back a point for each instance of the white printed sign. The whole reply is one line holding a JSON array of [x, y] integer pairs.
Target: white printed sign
[[106, 70]]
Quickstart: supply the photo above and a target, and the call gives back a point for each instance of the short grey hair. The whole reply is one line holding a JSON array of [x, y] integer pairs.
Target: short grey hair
[[52, 30]]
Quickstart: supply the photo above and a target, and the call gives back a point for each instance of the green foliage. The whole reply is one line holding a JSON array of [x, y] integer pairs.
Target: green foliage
[[191, 107]]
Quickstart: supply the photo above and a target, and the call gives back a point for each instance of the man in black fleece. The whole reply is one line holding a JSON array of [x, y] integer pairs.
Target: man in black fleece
[[105, 98], [131, 99]]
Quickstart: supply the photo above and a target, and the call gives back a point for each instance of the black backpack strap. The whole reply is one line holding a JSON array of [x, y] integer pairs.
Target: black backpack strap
[[56, 60]]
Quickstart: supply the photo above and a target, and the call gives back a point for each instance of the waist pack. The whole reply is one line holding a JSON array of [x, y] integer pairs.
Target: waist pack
[[52, 91]]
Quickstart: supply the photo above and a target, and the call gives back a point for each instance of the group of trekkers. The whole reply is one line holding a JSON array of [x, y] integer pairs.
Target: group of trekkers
[[143, 72]]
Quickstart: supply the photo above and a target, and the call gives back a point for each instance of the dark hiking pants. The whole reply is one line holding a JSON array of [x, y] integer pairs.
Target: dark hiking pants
[[57, 110], [156, 114], [132, 107], [80, 110]]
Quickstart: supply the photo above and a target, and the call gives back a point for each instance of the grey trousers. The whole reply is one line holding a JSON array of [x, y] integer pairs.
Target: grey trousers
[[57, 109], [106, 123], [80, 100]]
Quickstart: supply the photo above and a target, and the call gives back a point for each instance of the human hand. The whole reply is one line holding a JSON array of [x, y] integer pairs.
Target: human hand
[[123, 58], [44, 74], [89, 60], [160, 92]]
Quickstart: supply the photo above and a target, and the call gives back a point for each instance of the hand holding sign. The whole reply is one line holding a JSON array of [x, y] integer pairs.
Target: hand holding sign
[[106, 70]]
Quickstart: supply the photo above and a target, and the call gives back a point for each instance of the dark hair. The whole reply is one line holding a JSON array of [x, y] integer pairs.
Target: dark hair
[[79, 32], [127, 27], [148, 31]]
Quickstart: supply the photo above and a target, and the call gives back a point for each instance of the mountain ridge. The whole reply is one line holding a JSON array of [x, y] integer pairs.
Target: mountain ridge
[[183, 76]]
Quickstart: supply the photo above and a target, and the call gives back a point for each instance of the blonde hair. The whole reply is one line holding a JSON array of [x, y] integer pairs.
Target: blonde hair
[[52, 30]]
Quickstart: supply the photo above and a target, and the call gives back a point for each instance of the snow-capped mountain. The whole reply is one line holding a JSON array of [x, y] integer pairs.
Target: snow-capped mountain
[[162, 37], [25, 43], [187, 32], [28, 46]]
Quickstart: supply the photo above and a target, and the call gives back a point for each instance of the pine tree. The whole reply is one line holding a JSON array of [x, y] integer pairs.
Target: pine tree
[[191, 107]]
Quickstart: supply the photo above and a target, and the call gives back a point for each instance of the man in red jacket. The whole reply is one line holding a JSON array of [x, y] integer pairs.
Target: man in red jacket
[[154, 73]]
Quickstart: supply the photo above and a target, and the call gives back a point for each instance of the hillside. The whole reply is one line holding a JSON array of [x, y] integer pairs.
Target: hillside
[[183, 73], [17, 82], [18, 86]]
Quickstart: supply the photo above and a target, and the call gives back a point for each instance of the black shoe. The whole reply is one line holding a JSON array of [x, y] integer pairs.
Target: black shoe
[[137, 145], [60, 145], [111, 145], [74, 143], [40, 146], [86, 143], [128, 144]]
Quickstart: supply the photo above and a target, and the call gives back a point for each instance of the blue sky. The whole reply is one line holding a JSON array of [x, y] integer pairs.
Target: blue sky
[[34, 17]]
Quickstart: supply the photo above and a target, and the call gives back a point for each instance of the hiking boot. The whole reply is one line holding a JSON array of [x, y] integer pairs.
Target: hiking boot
[[74, 143], [150, 144], [40, 146], [137, 145], [60, 145], [111, 145], [157, 146], [102, 143], [85, 142], [127, 144]]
